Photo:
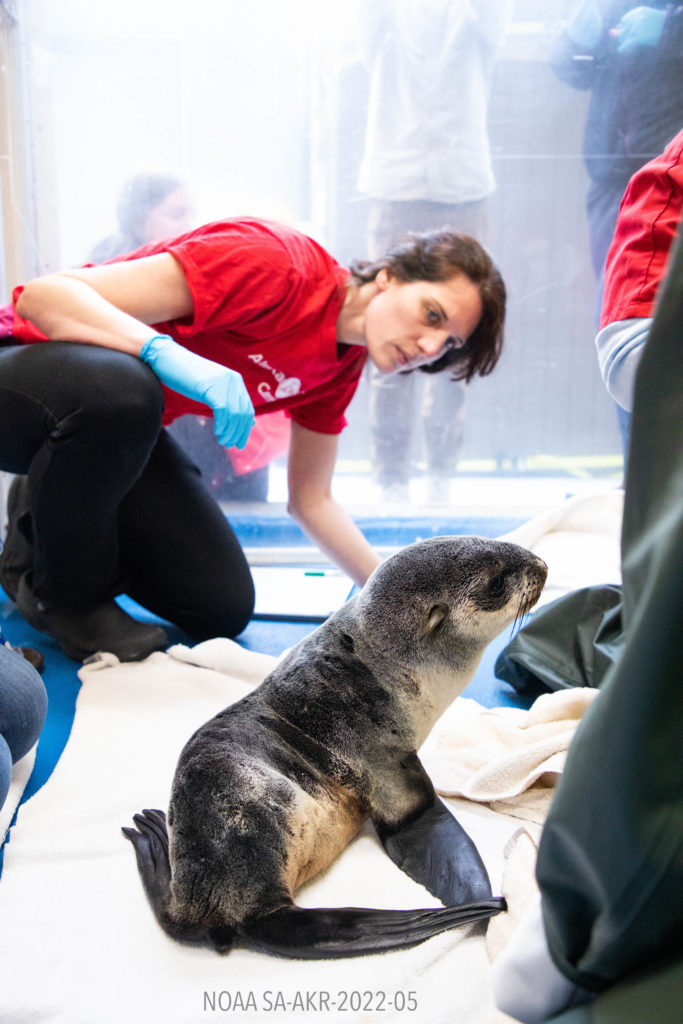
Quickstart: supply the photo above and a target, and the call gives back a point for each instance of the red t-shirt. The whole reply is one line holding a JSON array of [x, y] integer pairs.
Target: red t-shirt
[[648, 219], [266, 302]]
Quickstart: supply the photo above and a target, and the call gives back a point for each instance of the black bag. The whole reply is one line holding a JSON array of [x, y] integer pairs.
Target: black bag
[[571, 641]]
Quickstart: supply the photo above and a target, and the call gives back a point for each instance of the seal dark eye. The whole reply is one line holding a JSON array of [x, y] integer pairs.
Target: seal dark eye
[[497, 585], [494, 592]]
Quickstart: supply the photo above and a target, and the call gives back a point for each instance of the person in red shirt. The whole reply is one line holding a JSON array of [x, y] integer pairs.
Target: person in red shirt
[[648, 220], [232, 319]]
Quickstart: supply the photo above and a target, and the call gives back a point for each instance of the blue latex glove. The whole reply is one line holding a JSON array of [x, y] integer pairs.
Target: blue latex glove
[[205, 381], [640, 27], [585, 26]]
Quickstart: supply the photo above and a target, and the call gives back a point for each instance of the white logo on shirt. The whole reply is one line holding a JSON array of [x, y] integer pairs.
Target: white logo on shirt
[[286, 386]]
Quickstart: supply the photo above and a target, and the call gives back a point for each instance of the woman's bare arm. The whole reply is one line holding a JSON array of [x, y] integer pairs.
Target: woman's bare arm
[[311, 464], [111, 305]]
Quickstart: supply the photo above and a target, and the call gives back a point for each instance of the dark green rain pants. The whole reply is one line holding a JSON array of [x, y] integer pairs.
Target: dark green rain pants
[[610, 863]]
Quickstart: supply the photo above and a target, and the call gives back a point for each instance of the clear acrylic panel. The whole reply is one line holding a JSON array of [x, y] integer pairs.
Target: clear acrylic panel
[[289, 109]]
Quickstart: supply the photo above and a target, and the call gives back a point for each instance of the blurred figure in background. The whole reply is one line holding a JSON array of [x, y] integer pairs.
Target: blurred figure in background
[[235, 475], [150, 207], [426, 165], [153, 206], [631, 58]]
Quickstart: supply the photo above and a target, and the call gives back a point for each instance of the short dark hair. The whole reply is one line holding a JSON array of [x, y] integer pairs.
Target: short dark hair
[[438, 256]]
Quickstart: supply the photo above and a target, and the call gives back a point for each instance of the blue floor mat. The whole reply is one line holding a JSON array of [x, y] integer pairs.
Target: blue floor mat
[[62, 685]]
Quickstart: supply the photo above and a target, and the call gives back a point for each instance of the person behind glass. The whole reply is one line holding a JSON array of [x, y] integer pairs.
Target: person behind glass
[[426, 164], [235, 317], [630, 57], [150, 206]]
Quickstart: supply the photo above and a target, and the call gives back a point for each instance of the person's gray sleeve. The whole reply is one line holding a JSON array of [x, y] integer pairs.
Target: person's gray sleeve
[[620, 346]]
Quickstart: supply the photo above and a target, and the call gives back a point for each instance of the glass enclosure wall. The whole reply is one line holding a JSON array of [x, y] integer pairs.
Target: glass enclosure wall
[[287, 109]]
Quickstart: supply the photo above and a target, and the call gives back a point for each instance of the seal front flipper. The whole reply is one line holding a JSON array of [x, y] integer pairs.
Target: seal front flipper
[[318, 934], [435, 850]]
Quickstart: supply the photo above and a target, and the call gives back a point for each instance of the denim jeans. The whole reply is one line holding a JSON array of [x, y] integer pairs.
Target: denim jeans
[[23, 706]]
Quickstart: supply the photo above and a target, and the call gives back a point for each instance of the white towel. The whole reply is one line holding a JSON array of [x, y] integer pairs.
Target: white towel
[[505, 757]]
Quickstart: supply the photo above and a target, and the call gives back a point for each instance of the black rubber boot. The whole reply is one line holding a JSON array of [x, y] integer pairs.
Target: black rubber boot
[[16, 556], [80, 634]]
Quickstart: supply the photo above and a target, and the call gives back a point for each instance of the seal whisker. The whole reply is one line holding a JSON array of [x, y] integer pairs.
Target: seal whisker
[[518, 620]]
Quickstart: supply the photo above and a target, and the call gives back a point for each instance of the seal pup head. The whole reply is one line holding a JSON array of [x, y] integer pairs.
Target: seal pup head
[[434, 607], [447, 587]]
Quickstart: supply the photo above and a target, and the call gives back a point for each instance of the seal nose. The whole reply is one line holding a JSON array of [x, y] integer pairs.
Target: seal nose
[[539, 574]]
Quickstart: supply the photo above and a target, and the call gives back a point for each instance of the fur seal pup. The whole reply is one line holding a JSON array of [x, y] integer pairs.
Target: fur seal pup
[[269, 791]]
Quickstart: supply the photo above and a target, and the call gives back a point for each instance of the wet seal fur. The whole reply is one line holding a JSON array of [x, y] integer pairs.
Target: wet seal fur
[[269, 791]]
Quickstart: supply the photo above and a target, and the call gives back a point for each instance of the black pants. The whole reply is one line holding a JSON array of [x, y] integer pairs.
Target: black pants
[[116, 504]]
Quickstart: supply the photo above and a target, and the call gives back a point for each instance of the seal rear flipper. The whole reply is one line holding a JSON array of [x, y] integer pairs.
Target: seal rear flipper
[[318, 934], [435, 850], [150, 840]]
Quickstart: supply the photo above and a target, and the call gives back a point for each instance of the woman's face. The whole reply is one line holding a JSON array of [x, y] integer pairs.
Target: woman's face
[[410, 323], [173, 216]]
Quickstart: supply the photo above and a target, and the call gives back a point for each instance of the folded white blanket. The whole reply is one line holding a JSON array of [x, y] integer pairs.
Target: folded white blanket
[[505, 757]]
